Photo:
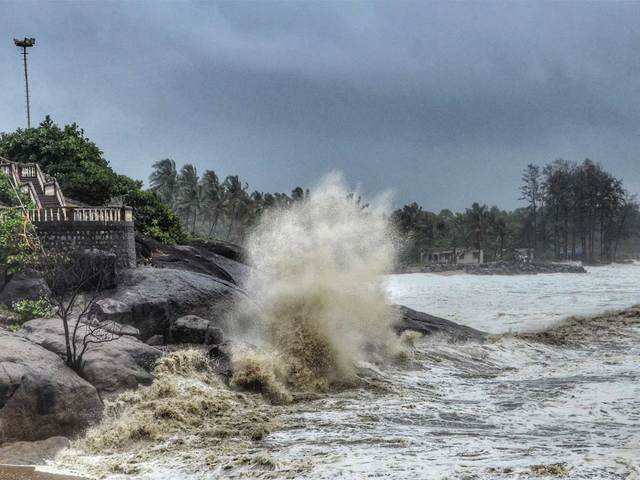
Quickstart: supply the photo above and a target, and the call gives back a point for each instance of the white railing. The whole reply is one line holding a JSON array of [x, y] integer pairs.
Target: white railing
[[10, 170], [81, 214]]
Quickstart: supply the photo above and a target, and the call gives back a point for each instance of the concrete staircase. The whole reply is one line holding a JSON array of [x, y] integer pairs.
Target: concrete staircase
[[29, 178]]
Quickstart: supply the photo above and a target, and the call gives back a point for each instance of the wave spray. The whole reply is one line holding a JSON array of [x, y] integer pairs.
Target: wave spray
[[317, 304]]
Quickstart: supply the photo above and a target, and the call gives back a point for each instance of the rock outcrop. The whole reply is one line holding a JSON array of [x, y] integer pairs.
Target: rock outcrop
[[426, 324], [40, 396], [506, 268], [111, 367], [150, 299], [194, 329], [218, 259], [23, 286]]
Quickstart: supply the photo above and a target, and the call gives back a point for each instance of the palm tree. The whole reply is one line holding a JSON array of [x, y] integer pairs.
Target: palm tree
[[478, 218], [189, 194], [212, 198], [163, 180], [235, 194]]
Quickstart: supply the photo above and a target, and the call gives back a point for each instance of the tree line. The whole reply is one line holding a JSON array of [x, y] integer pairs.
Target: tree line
[[212, 207], [573, 211]]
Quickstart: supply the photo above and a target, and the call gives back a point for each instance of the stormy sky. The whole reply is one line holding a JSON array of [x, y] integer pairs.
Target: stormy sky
[[442, 103]]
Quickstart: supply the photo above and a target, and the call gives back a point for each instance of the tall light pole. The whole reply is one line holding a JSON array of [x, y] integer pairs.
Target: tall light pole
[[24, 44]]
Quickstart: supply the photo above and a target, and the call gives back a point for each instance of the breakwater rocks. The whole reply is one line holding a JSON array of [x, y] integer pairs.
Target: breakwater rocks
[[506, 268]]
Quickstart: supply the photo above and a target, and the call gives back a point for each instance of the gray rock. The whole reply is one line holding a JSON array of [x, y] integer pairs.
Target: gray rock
[[39, 395], [23, 286], [217, 259], [111, 367], [156, 341], [32, 453], [426, 324], [150, 299], [214, 336], [194, 329]]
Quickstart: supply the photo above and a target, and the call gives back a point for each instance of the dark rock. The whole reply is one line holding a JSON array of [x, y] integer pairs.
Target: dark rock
[[150, 299], [111, 367], [193, 329], [103, 264], [39, 395], [156, 341], [426, 324], [32, 453], [214, 336], [23, 286], [506, 268], [210, 258]]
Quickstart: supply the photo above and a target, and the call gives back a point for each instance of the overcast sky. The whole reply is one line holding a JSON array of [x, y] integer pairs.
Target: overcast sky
[[441, 103]]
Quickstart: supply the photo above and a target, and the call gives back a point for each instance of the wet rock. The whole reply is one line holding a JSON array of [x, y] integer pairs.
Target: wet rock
[[506, 268], [40, 396], [214, 336], [217, 259], [23, 286], [32, 453], [156, 341], [111, 367], [426, 324], [194, 329], [150, 299]]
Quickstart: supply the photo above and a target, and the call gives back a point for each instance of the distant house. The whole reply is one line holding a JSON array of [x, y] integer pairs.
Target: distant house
[[459, 256], [523, 254]]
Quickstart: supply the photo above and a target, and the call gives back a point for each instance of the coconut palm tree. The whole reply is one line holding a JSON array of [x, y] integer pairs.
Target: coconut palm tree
[[189, 198], [212, 198], [164, 180], [235, 195]]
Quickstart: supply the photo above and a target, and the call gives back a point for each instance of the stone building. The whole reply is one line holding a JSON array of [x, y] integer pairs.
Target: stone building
[[65, 224]]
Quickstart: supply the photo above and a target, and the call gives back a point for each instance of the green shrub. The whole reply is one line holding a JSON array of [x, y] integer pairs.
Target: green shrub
[[30, 309], [18, 244]]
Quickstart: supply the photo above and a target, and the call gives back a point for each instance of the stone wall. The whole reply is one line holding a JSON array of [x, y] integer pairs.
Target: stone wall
[[116, 237]]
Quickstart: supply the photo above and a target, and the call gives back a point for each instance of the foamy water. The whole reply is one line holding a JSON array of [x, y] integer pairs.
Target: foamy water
[[464, 411], [497, 303]]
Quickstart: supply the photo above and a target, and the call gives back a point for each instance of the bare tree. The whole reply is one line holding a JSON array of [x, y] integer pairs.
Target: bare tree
[[77, 281]]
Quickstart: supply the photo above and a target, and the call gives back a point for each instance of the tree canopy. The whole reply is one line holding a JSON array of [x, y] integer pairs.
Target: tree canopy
[[85, 175]]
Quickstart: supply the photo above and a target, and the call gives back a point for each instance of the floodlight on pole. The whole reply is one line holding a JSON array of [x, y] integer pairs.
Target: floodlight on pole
[[24, 44]]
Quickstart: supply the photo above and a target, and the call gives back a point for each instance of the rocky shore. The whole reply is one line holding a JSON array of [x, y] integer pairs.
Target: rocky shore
[[505, 268], [179, 297]]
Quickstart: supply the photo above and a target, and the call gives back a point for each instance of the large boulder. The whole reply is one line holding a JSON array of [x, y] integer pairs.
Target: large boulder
[[122, 363], [150, 299], [39, 395], [23, 286], [217, 259], [409, 319], [32, 453], [194, 329]]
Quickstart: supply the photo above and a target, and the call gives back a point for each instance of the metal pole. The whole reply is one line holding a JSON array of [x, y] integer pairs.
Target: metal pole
[[24, 44], [26, 85]]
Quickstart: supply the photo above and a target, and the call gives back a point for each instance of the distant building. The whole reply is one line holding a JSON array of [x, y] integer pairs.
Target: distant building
[[459, 256], [523, 254]]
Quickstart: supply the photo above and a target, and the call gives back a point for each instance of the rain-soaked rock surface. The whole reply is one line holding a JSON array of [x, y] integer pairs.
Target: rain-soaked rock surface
[[150, 299], [426, 324]]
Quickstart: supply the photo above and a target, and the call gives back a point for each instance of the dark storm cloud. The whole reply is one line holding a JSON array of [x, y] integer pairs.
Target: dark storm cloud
[[443, 103]]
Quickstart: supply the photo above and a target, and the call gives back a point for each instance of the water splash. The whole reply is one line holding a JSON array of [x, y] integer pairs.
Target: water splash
[[318, 305]]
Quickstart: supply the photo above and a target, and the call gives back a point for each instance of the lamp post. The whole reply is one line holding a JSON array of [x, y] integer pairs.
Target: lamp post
[[24, 44]]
